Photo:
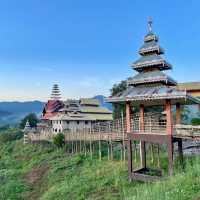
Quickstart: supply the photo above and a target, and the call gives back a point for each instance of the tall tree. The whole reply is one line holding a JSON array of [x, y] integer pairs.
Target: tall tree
[[32, 118], [117, 89]]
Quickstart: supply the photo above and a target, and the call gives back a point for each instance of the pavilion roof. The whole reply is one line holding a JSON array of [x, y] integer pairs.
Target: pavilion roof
[[153, 95], [90, 109], [151, 77], [152, 60], [189, 86], [89, 102], [82, 117], [149, 47]]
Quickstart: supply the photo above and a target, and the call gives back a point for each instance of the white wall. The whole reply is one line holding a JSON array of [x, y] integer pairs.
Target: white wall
[[60, 126]]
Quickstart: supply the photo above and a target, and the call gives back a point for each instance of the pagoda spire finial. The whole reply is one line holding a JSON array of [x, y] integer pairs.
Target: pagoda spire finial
[[150, 22]]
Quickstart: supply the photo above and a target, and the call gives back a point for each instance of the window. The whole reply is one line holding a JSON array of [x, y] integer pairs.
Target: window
[[60, 122], [67, 122], [86, 122], [77, 122]]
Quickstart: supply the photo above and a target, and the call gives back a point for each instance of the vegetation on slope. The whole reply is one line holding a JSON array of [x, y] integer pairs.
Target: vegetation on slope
[[46, 173]]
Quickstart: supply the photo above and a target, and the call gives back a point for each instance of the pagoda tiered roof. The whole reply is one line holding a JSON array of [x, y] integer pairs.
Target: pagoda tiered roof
[[154, 95], [151, 46], [151, 85], [151, 77], [149, 61]]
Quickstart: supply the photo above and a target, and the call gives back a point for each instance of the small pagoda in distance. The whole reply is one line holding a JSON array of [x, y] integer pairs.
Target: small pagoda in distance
[[151, 87], [53, 105]]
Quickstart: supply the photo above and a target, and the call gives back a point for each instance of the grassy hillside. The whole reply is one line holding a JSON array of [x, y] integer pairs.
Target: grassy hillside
[[42, 172]]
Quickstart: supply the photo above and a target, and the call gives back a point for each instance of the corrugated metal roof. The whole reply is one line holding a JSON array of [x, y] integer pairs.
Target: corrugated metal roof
[[89, 101], [189, 86], [90, 109], [152, 93], [151, 77]]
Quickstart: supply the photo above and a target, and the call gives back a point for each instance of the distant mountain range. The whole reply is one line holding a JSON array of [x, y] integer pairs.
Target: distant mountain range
[[103, 103], [13, 112]]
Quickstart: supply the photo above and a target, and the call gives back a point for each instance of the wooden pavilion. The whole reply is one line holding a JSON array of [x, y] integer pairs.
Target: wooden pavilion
[[152, 87]]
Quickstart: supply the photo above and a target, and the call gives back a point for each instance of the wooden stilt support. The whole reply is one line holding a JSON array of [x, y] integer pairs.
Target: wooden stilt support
[[130, 161], [99, 143], [108, 145], [128, 117], [90, 131], [111, 149], [169, 132], [123, 137], [180, 152], [135, 151], [142, 143], [158, 156], [178, 113]]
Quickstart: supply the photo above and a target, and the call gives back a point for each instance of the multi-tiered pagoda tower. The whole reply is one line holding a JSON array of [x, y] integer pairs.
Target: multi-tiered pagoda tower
[[151, 87]]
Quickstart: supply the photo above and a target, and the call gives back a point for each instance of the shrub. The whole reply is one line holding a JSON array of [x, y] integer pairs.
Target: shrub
[[10, 135], [195, 121], [59, 140]]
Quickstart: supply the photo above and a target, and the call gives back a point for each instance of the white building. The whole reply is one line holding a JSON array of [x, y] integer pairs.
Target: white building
[[78, 115]]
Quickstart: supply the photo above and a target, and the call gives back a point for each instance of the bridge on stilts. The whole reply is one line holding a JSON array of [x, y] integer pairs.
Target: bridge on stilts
[[116, 132]]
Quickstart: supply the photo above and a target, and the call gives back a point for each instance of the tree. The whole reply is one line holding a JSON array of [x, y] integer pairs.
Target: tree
[[59, 140], [117, 89], [32, 118], [195, 121], [120, 87]]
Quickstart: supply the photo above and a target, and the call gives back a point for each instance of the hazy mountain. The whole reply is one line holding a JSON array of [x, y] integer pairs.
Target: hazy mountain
[[102, 100], [13, 112]]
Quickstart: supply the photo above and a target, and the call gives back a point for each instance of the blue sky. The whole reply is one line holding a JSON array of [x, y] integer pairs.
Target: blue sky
[[87, 46]]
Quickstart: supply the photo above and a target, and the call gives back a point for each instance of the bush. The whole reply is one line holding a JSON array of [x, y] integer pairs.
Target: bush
[[11, 135], [59, 140], [195, 121]]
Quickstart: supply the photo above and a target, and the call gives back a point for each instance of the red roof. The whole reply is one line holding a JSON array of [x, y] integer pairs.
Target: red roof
[[51, 108]]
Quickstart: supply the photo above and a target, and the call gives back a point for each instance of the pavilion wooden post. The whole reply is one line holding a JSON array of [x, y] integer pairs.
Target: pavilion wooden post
[[128, 117], [178, 113], [142, 143], [128, 130], [180, 145], [169, 132]]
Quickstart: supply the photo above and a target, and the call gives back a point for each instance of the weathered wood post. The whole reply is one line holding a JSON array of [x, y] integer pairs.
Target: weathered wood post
[[85, 147], [142, 143], [169, 133], [72, 143], [91, 142], [80, 139], [128, 130], [180, 145], [123, 136], [99, 142], [158, 156]]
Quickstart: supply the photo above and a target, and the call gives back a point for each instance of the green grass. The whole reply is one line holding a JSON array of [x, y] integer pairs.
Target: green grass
[[41, 172]]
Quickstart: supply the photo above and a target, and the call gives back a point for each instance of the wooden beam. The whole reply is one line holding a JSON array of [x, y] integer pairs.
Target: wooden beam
[[142, 143], [169, 117], [178, 113], [142, 118], [128, 117], [130, 159]]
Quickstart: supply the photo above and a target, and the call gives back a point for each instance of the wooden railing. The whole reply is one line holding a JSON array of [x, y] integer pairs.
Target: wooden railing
[[116, 130]]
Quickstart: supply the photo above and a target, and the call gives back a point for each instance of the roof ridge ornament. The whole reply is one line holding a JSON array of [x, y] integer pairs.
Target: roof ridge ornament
[[150, 22]]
